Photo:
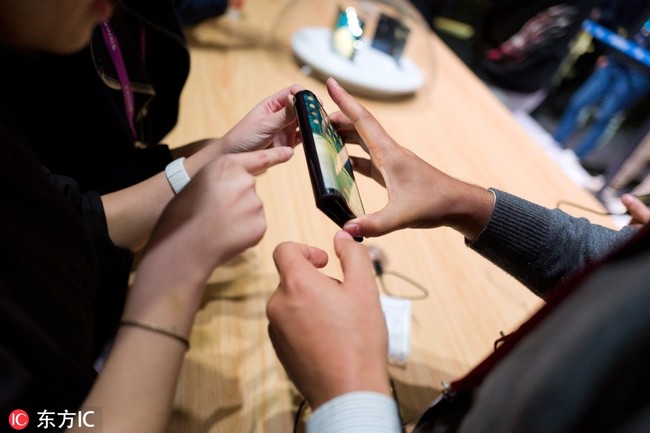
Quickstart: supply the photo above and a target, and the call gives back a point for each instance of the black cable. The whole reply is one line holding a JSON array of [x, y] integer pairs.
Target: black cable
[[594, 211], [644, 198], [393, 391], [296, 420], [424, 292]]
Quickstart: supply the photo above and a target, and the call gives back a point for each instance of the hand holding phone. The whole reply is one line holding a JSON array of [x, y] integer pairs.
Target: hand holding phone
[[330, 170]]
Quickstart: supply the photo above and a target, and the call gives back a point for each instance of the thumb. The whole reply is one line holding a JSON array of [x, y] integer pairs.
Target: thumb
[[374, 224], [280, 119], [355, 261]]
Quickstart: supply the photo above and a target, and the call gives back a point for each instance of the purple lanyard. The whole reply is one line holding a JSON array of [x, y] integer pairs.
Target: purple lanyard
[[118, 61]]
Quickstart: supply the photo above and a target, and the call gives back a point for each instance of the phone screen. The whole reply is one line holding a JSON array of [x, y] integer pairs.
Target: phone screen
[[333, 158]]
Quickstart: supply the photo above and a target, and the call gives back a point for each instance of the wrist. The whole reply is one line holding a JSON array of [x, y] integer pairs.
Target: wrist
[[227, 143], [471, 210], [166, 288], [165, 306], [368, 379]]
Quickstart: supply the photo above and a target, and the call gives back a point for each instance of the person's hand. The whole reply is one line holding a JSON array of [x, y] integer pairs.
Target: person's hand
[[595, 14], [602, 61], [419, 195], [637, 209], [330, 336], [271, 122], [217, 216]]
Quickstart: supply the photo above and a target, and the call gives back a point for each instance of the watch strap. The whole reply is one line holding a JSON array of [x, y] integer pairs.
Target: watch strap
[[177, 175]]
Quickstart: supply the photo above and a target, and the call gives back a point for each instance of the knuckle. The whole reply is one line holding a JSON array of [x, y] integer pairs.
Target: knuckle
[[364, 114], [270, 310], [278, 251], [264, 158]]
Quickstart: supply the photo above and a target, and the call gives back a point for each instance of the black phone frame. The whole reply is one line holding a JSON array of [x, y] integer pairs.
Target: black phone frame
[[329, 200]]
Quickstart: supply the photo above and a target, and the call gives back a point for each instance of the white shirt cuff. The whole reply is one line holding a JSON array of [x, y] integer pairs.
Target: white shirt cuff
[[356, 412]]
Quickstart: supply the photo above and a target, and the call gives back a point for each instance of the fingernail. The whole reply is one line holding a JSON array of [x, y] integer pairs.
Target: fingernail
[[288, 150], [353, 229], [343, 234], [336, 83], [627, 198]]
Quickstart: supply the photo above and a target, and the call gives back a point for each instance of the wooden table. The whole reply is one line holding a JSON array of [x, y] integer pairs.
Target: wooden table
[[231, 380]]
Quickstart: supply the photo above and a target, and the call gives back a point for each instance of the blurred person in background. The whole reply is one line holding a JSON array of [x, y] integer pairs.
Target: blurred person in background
[[616, 84]]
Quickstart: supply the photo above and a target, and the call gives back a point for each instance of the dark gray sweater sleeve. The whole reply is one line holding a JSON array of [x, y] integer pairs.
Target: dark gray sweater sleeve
[[540, 246]]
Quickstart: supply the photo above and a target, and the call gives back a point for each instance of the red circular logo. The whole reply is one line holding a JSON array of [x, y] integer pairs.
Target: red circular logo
[[18, 419]]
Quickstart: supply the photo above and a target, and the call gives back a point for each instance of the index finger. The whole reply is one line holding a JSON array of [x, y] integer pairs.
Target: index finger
[[291, 258], [258, 161], [346, 129], [371, 132]]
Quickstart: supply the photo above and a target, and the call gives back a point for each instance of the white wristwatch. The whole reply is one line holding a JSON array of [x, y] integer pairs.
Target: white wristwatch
[[177, 175]]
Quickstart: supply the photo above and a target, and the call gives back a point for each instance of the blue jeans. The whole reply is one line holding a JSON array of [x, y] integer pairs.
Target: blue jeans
[[614, 88]]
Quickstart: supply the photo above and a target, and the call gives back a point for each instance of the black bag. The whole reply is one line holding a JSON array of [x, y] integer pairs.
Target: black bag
[[521, 45]]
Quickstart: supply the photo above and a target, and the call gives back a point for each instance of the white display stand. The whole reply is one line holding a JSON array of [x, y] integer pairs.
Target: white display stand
[[370, 72]]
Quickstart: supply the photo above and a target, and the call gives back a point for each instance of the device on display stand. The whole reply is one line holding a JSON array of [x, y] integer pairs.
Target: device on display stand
[[364, 51]]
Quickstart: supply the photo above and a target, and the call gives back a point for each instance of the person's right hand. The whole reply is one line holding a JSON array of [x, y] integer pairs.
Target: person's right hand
[[330, 336], [217, 216], [419, 195]]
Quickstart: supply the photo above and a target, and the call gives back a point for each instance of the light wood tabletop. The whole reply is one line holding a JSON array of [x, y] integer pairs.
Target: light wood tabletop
[[231, 380]]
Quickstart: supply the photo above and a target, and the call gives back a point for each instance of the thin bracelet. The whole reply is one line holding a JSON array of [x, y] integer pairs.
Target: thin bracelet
[[157, 329]]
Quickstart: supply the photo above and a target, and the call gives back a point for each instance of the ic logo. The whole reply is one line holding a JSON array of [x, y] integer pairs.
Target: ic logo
[[18, 419]]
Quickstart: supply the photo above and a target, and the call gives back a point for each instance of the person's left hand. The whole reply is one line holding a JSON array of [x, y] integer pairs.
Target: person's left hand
[[272, 122], [419, 195], [637, 209]]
